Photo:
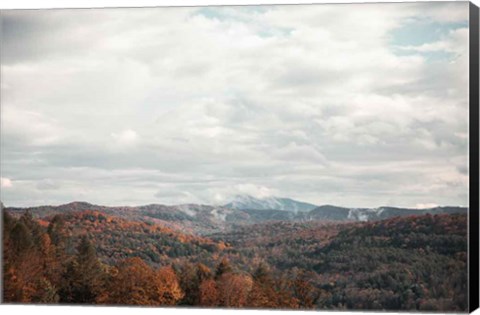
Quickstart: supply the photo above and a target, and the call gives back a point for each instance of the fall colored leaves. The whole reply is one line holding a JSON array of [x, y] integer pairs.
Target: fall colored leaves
[[44, 265], [133, 282], [400, 263]]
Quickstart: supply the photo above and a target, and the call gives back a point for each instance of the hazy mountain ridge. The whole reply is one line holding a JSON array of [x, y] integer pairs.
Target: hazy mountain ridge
[[191, 218], [207, 219], [328, 212]]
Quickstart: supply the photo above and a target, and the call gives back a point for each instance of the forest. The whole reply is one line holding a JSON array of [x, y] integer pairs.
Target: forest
[[89, 257]]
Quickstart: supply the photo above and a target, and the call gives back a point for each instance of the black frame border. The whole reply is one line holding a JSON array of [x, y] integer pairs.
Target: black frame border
[[473, 262]]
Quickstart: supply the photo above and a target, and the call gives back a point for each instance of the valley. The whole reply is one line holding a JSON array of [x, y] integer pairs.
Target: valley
[[238, 255]]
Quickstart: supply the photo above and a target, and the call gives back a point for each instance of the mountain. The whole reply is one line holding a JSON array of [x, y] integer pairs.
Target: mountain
[[246, 202], [199, 219], [328, 212], [388, 212], [189, 218]]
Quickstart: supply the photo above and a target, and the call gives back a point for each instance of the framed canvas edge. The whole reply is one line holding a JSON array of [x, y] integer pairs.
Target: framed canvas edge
[[474, 130], [473, 264]]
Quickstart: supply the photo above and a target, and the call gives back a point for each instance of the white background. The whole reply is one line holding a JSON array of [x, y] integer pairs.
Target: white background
[[73, 310]]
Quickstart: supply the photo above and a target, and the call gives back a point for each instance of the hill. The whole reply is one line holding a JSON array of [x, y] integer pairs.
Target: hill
[[199, 219], [414, 262], [116, 238], [88, 256]]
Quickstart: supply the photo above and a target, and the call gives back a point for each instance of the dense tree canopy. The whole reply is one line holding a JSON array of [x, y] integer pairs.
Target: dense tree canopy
[[410, 263]]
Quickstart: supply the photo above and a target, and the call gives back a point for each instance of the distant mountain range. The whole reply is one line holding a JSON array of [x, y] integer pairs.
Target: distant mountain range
[[308, 211], [333, 213], [247, 202], [243, 210]]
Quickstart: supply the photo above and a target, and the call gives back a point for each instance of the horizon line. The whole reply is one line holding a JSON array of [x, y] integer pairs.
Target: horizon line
[[223, 205]]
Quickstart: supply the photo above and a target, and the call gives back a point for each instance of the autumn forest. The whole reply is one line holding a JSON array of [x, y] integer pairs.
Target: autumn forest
[[75, 255]]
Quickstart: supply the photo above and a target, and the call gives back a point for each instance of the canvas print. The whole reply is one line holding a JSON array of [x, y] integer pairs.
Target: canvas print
[[253, 157]]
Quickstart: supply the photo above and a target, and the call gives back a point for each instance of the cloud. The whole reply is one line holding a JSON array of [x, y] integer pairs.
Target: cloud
[[47, 184], [425, 205], [336, 104], [30, 126], [125, 137], [6, 182]]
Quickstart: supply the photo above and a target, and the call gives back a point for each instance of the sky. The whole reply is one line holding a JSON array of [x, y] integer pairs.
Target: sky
[[358, 105]]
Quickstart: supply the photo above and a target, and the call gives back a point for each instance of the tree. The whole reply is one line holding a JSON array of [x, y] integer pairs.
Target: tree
[[222, 268], [187, 276], [84, 277], [266, 293], [234, 289], [203, 273], [8, 224], [59, 239], [132, 283], [33, 226], [208, 293], [56, 230], [22, 277], [21, 239], [190, 278], [46, 293], [262, 273], [168, 288], [305, 293]]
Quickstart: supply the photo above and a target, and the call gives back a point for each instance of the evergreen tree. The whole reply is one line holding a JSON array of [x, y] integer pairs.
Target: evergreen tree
[[84, 276], [21, 239], [33, 226]]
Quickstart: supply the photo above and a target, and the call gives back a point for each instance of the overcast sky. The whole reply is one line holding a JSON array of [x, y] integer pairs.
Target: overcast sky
[[357, 105]]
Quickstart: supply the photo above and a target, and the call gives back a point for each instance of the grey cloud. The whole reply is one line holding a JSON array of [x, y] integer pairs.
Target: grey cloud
[[47, 185], [34, 35]]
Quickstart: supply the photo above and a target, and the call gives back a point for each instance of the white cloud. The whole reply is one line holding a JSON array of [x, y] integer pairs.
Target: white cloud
[[30, 126], [312, 102], [126, 137], [254, 190], [223, 195], [6, 182], [425, 205]]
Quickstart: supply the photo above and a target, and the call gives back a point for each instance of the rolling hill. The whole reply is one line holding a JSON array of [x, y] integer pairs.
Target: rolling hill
[[329, 258]]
